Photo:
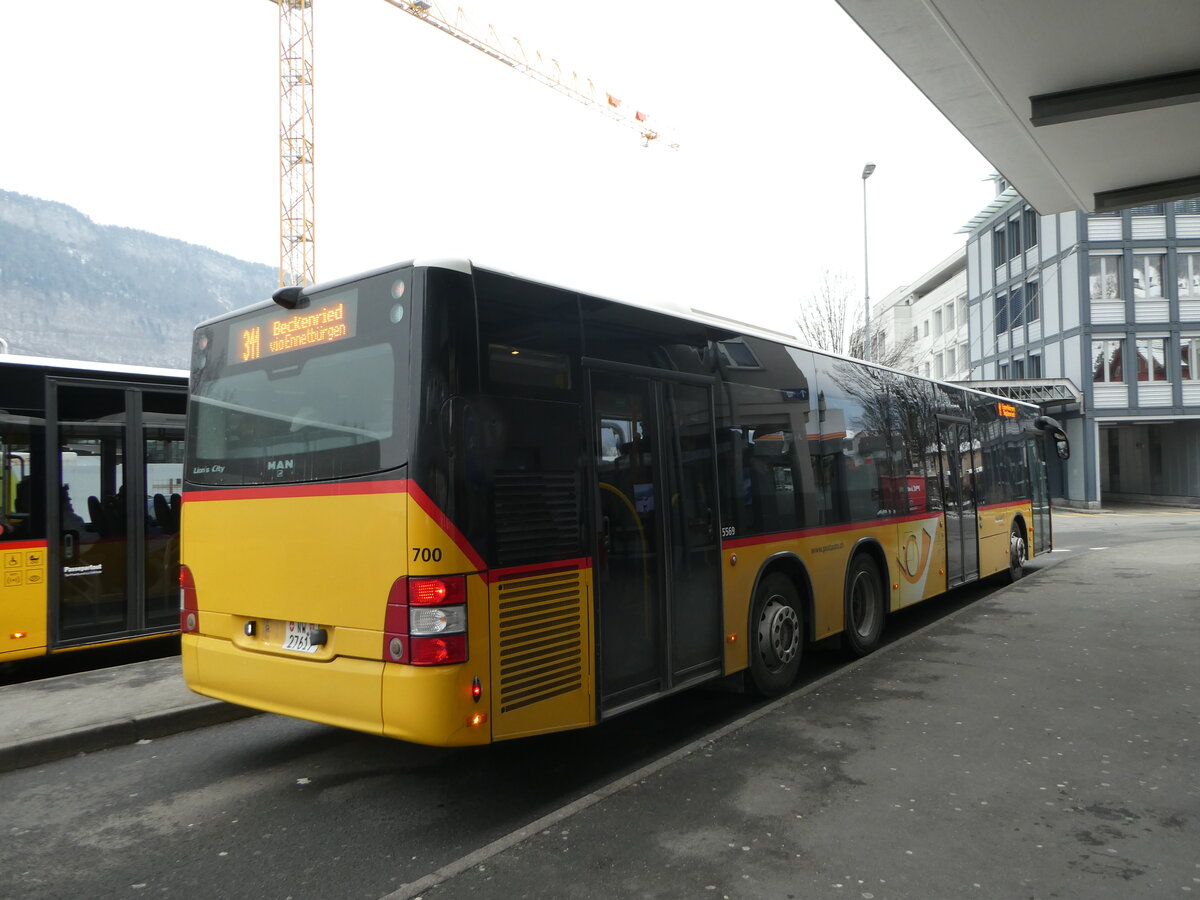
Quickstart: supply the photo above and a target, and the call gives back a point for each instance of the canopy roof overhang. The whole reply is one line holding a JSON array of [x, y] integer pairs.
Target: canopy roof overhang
[[1080, 104]]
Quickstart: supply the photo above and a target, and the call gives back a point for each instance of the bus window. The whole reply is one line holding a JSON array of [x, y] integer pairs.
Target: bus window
[[21, 492]]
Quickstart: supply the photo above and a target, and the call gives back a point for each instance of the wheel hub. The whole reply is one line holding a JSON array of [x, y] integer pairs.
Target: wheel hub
[[778, 634]]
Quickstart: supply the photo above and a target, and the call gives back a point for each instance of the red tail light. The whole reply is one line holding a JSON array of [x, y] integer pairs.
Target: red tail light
[[189, 610], [425, 623]]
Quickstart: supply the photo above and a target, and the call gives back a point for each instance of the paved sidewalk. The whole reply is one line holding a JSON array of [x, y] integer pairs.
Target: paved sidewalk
[[59, 717], [1043, 742]]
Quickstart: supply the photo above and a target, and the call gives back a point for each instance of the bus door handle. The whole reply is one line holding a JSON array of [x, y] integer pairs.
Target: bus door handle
[[451, 419], [68, 545], [606, 532]]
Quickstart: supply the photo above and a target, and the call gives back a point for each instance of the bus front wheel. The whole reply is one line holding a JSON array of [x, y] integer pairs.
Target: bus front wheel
[[866, 607], [1017, 552], [777, 635]]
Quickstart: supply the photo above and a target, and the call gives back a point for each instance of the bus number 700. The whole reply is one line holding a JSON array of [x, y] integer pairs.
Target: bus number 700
[[427, 554]]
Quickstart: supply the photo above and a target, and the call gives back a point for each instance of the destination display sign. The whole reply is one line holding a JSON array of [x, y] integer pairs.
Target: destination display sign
[[276, 333], [1006, 410]]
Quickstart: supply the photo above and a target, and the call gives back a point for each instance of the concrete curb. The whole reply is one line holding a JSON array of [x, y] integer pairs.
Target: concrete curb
[[106, 735]]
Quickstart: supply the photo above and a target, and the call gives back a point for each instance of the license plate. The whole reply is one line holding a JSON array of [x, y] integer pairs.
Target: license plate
[[296, 637]]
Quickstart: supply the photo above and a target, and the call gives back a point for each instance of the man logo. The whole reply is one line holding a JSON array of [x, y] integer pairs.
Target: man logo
[[280, 466]]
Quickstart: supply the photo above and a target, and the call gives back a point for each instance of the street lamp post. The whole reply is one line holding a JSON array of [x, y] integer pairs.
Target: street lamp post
[[867, 170]]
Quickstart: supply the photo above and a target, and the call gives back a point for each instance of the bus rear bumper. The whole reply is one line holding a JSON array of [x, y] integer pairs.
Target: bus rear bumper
[[344, 692]]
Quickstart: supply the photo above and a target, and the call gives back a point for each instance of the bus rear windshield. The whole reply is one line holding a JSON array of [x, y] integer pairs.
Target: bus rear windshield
[[314, 413]]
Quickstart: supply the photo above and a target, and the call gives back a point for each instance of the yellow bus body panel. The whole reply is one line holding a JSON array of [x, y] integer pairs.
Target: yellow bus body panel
[[342, 691], [916, 554], [22, 601], [542, 669], [331, 560], [995, 525]]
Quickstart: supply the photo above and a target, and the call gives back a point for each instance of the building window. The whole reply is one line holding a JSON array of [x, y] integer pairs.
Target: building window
[[1152, 209], [1014, 238], [999, 247], [1003, 371], [1106, 362], [1104, 277], [937, 321], [1033, 301], [1189, 274], [1030, 228], [925, 370], [1187, 207], [1018, 368], [1152, 359], [1016, 315], [1001, 313], [964, 356], [925, 326], [950, 360], [1189, 358], [949, 317], [1035, 365], [1147, 276], [916, 334]]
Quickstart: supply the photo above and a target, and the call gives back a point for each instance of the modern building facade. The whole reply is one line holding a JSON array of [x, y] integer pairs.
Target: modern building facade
[[928, 321], [1096, 317]]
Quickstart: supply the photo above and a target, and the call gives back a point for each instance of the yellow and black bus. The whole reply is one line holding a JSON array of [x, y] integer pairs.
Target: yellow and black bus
[[450, 505], [91, 481]]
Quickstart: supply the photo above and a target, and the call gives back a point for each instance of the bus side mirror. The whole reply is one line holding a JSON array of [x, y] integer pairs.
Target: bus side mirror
[[1062, 446]]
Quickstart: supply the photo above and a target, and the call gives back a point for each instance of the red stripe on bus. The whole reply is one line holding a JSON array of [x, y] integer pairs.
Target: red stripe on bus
[[734, 543], [443, 522], [1016, 504], [338, 489], [23, 545], [547, 568]]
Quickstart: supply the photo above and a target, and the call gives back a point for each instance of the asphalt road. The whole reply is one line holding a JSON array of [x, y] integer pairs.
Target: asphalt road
[[272, 807]]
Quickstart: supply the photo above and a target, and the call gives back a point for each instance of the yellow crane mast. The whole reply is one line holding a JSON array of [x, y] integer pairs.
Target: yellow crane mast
[[297, 230]]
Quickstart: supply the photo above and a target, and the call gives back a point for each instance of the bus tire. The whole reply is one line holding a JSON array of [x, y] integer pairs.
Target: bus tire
[[776, 635], [1017, 552], [866, 606]]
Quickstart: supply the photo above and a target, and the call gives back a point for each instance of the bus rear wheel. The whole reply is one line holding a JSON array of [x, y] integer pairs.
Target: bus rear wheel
[[866, 607], [776, 635]]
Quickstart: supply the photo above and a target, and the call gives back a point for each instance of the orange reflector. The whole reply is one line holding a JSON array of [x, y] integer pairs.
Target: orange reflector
[[476, 689], [732, 638], [477, 719], [17, 635]]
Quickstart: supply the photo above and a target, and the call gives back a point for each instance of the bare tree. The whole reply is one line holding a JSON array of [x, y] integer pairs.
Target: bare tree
[[822, 319], [830, 320]]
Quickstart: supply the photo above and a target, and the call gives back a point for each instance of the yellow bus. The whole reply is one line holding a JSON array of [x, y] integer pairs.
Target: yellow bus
[[91, 483], [450, 505]]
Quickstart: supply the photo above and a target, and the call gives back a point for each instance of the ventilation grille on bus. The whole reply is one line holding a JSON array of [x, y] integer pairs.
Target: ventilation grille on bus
[[541, 631], [536, 516]]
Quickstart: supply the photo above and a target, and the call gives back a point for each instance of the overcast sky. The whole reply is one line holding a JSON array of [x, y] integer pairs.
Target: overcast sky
[[163, 115]]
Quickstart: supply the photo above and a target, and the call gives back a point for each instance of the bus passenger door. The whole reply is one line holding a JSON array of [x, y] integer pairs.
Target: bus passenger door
[[657, 565], [962, 540], [1040, 493], [118, 470]]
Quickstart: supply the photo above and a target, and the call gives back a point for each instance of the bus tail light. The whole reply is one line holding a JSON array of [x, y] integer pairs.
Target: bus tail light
[[189, 610], [426, 621]]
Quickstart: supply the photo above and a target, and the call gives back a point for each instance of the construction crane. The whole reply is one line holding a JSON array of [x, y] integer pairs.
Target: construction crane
[[297, 231], [296, 221]]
